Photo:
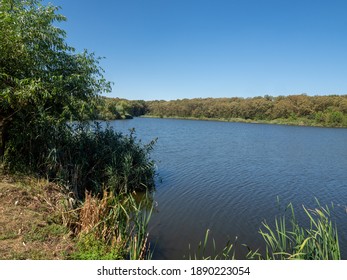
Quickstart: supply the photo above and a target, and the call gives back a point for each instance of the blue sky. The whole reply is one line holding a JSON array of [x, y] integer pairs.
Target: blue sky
[[174, 49]]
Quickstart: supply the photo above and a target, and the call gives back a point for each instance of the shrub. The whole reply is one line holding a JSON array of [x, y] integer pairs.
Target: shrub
[[82, 156]]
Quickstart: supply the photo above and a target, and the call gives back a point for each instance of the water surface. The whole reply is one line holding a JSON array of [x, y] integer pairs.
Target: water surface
[[227, 176]]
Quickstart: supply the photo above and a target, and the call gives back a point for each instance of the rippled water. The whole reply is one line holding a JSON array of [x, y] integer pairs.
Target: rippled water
[[227, 177]]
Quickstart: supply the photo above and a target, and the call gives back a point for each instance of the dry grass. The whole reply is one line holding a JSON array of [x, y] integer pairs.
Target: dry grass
[[92, 213], [112, 227], [31, 224]]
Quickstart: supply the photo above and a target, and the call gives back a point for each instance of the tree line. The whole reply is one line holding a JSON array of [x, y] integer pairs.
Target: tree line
[[311, 110], [327, 110]]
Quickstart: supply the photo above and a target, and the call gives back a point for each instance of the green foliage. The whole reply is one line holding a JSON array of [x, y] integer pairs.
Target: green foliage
[[102, 157], [83, 157], [334, 117], [41, 77], [116, 108], [88, 247], [292, 109]]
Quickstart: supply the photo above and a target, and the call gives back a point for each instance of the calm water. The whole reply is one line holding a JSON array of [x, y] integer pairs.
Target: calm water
[[226, 177]]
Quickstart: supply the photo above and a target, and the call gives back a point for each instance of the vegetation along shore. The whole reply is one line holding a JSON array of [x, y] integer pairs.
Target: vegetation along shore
[[301, 109], [48, 95]]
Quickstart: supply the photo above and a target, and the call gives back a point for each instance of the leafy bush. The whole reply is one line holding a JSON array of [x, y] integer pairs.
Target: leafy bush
[[82, 156]]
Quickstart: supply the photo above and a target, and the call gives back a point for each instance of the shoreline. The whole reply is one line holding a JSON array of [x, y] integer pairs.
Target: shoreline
[[299, 122]]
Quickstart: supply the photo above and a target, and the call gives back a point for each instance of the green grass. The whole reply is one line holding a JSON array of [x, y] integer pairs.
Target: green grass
[[45, 232], [8, 235], [88, 247]]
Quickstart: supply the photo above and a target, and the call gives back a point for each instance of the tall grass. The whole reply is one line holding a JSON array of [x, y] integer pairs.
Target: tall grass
[[113, 227], [289, 240], [286, 239]]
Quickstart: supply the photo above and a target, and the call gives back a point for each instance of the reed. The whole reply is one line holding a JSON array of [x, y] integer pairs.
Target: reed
[[202, 252], [285, 240], [113, 227], [289, 240]]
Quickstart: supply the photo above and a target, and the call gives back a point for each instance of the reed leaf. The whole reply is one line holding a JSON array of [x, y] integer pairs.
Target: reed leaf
[[319, 241]]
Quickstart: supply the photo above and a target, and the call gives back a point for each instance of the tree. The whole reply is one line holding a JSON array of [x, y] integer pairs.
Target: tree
[[42, 79], [123, 107]]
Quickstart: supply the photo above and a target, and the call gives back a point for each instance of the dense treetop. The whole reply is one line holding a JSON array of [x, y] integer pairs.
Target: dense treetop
[[40, 75]]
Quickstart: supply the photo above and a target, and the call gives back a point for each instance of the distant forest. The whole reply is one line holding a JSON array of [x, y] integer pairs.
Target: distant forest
[[293, 109]]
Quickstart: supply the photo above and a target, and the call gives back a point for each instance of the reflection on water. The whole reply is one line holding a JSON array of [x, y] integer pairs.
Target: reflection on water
[[227, 176]]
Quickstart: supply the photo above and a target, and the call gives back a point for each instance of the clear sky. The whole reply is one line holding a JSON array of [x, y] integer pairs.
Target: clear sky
[[174, 49]]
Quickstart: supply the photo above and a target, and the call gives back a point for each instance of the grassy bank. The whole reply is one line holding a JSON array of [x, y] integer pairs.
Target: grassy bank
[[42, 220]]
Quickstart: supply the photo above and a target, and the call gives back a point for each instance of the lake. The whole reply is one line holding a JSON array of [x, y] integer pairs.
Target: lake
[[227, 177]]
